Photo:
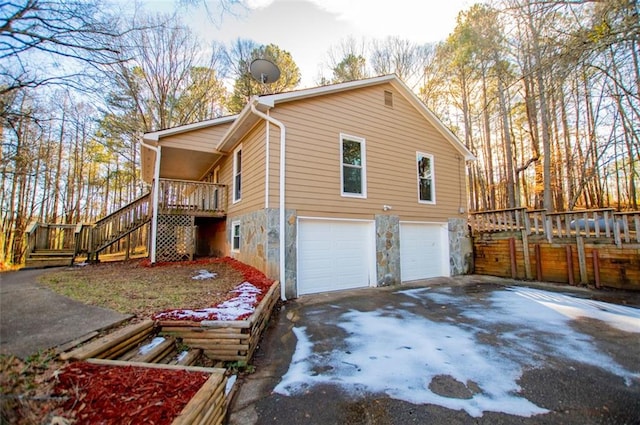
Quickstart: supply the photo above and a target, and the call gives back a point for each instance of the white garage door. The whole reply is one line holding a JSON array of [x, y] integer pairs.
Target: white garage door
[[424, 251], [334, 255]]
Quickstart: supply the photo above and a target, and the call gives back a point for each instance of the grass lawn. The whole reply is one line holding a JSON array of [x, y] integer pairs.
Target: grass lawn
[[136, 288]]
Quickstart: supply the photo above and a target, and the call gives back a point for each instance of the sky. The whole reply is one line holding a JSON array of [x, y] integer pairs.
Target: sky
[[307, 29], [401, 354]]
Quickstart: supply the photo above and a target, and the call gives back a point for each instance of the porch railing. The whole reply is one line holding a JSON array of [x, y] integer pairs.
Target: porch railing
[[192, 198]]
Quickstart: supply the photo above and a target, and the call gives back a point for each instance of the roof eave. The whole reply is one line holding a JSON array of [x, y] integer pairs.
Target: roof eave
[[155, 136], [274, 99], [245, 120]]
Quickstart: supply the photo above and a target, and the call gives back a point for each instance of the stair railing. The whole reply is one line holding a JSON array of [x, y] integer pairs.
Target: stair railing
[[119, 224]]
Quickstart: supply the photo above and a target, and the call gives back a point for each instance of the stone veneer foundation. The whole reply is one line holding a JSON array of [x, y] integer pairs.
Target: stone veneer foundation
[[260, 238]]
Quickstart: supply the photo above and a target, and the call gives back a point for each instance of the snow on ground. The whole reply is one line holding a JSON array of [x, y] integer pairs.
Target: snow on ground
[[151, 345], [398, 353], [230, 383], [205, 274], [243, 303], [621, 317]]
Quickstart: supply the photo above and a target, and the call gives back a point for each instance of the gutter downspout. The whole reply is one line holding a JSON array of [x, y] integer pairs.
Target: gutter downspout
[[282, 194], [156, 195]]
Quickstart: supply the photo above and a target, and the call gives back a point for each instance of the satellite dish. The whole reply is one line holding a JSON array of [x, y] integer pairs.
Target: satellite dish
[[264, 71]]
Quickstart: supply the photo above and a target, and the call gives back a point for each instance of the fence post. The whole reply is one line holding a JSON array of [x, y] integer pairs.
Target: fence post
[[512, 257], [525, 251], [570, 265], [596, 268], [548, 227], [538, 263], [582, 261]]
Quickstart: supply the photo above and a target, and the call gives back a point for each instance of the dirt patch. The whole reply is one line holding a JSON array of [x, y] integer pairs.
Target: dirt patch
[[447, 386]]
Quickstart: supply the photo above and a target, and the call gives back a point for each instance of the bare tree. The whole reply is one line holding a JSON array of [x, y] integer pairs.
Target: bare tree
[[346, 60], [168, 78], [45, 42], [394, 55]]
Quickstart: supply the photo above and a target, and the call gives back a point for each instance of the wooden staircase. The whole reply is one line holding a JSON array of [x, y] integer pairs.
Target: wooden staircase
[[117, 225], [50, 245], [49, 258]]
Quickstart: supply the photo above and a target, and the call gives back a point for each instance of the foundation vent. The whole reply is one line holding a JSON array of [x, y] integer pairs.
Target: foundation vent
[[388, 98]]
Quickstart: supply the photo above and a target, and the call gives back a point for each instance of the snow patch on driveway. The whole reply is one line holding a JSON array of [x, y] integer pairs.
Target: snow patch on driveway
[[397, 352]]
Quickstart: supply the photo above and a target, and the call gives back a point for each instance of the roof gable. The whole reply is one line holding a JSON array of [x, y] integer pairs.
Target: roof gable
[[247, 119]]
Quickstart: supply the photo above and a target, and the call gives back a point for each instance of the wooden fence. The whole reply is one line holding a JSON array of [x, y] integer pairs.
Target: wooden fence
[[597, 247]]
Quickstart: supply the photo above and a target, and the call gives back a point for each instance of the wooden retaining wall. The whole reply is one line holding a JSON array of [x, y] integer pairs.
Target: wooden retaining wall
[[124, 348], [219, 340], [225, 340], [572, 260]]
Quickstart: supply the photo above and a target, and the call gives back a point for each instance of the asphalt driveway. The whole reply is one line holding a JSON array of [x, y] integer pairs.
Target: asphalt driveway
[[448, 351], [34, 318]]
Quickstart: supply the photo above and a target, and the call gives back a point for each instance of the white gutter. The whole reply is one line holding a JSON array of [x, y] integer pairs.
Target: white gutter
[[266, 167], [282, 193], [154, 204]]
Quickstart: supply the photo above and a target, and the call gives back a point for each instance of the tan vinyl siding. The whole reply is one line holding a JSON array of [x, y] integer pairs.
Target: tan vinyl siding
[[253, 173], [204, 140], [392, 135]]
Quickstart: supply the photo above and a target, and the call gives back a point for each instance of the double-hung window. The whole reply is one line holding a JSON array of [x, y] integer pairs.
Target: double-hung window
[[426, 186], [237, 174], [235, 236], [353, 166]]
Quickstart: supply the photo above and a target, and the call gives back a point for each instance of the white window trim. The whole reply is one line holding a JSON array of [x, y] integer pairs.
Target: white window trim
[[433, 178], [363, 151], [235, 224], [235, 170]]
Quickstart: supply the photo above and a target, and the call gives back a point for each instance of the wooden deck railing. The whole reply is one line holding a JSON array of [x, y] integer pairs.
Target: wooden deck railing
[[603, 223], [506, 220], [119, 224], [50, 237], [175, 197], [626, 227], [588, 224], [192, 198]]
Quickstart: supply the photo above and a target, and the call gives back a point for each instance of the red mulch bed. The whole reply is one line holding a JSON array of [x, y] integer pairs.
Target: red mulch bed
[[103, 394]]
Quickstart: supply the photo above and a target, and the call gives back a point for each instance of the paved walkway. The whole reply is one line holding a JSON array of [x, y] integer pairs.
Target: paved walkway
[[34, 318]]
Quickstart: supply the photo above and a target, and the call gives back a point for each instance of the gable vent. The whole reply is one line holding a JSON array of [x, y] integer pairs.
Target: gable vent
[[388, 98]]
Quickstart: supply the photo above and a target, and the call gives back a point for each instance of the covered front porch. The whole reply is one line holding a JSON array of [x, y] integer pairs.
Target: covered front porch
[[191, 219]]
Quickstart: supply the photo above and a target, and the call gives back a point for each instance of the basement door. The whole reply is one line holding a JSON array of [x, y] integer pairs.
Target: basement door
[[335, 255], [424, 251]]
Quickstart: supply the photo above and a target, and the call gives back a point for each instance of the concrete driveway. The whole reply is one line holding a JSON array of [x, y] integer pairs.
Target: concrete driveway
[[448, 351]]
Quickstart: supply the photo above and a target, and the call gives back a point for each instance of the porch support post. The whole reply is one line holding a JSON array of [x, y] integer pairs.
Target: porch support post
[[154, 201]]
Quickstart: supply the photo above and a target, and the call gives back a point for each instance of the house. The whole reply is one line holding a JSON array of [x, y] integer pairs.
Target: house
[[343, 186]]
